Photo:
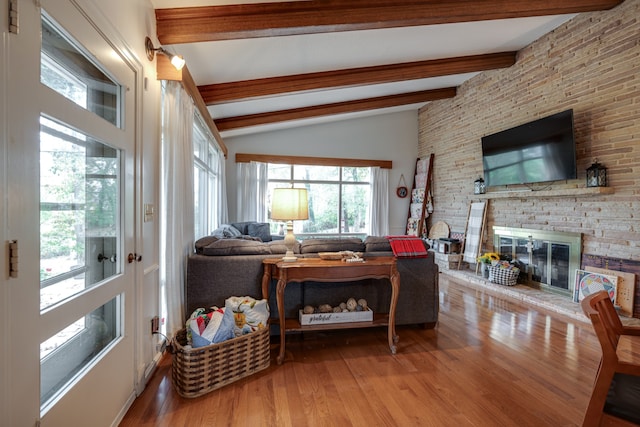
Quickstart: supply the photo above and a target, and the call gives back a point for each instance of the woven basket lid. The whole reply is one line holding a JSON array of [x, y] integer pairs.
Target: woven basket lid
[[439, 230]]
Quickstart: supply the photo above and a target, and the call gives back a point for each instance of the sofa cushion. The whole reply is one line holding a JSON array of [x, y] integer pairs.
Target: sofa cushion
[[331, 245], [236, 247], [259, 229], [278, 247], [377, 244], [203, 242]]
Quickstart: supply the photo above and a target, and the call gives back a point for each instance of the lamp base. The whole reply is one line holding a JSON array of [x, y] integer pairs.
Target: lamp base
[[289, 257], [289, 242]]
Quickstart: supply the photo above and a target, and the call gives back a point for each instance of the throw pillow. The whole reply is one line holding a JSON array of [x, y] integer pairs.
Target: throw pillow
[[259, 229], [243, 227], [225, 231]]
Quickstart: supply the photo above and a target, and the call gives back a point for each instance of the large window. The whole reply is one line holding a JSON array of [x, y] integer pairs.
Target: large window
[[339, 198], [206, 179]]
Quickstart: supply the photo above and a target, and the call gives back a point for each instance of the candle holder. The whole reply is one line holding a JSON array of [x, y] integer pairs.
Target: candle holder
[[479, 186]]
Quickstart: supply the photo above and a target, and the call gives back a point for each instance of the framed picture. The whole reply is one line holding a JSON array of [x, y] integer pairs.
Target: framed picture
[[588, 282]]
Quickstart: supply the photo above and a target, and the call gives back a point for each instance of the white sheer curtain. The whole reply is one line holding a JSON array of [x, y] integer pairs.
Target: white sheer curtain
[[252, 191], [223, 209], [177, 222], [379, 208]]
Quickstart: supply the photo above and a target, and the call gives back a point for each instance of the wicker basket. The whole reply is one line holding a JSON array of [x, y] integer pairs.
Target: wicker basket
[[200, 370]]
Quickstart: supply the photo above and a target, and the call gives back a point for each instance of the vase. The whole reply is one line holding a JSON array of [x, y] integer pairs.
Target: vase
[[485, 270]]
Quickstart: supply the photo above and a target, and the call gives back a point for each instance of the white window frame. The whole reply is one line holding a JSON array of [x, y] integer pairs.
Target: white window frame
[[301, 183], [206, 176]]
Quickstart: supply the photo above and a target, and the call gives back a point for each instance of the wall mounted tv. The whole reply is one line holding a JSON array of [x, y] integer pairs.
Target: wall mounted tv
[[540, 151]]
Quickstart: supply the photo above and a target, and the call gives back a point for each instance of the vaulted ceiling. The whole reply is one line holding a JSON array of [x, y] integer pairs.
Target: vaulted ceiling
[[270, 65]]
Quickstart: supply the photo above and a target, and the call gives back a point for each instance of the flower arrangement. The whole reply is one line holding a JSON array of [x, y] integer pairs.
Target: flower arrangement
[[488, 257]]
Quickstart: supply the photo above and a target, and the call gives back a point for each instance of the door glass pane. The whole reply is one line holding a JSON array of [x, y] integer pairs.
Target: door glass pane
[[506, 247], [69, 71], [79, 197], [560, 266], [65, 355], [539, 260]]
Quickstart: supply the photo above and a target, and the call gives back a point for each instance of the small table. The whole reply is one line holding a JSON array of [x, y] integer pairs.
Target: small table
[[319, 270]]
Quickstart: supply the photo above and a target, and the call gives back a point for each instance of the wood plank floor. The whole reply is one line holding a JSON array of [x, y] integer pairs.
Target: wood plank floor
[[489, 362]]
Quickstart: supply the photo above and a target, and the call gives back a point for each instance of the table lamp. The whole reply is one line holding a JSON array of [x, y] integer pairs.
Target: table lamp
[[289, 204]]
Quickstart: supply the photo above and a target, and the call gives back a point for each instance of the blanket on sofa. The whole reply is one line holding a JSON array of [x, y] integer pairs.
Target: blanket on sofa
[[407, 247]]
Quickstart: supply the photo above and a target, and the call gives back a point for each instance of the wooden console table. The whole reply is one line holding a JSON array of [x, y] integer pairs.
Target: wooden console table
[[319, 270]]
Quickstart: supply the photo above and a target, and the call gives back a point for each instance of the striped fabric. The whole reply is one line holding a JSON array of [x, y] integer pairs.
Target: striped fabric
[[407, 246]]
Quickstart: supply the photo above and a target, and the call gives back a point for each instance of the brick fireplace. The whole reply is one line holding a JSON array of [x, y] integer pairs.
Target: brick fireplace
[[550, 257]]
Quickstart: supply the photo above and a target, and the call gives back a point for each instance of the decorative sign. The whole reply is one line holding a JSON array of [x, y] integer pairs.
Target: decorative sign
[[402, 191], [625, 292]]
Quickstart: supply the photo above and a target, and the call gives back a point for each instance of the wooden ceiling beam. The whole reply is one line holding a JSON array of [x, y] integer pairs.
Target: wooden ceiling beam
[[229, 123], [210, 23], [251, 89]]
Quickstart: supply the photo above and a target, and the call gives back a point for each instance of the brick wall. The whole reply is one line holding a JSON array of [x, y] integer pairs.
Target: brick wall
[[590, 64]]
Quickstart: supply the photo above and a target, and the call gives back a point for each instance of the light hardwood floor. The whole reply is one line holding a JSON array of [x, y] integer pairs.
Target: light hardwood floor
[[489, 362]]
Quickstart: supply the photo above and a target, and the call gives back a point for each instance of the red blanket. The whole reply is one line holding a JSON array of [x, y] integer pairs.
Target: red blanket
[[407, 246]]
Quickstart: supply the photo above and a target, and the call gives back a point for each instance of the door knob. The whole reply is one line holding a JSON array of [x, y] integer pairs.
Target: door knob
[[112, 258], [134, 257]]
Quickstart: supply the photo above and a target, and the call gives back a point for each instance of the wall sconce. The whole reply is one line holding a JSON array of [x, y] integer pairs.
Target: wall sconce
[[479, 186], [596, 175], [177, 61]]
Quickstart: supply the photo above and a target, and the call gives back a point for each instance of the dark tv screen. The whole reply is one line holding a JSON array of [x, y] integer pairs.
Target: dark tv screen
[[540, 151]]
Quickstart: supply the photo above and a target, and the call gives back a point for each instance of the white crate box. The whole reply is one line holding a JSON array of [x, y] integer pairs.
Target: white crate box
[[326, 318]]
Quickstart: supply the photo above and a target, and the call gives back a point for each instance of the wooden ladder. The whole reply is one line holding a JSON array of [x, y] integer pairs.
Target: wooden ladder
[[420, 228]]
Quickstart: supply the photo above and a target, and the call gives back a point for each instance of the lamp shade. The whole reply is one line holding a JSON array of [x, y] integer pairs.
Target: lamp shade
[[289, 204]]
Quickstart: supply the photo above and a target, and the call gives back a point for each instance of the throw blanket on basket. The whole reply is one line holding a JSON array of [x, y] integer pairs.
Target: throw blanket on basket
[[407, 246]]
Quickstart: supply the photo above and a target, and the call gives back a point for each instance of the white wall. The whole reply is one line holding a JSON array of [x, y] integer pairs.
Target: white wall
[[390, 136]]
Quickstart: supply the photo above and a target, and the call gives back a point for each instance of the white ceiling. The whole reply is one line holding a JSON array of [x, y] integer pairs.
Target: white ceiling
[[245, 59]]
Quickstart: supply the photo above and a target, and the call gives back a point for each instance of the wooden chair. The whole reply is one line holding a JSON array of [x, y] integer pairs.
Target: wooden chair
[[619, 371]]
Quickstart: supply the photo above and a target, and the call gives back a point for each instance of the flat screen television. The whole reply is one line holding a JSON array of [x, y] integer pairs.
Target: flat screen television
[[539, 151]]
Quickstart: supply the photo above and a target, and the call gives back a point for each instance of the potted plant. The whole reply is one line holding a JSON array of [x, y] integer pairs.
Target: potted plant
[[485, 261]]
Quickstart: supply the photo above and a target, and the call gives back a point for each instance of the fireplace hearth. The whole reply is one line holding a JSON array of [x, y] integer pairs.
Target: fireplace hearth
[[550, 257]]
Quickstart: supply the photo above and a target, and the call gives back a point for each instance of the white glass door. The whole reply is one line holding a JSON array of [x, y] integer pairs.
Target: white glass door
[[71, 214]]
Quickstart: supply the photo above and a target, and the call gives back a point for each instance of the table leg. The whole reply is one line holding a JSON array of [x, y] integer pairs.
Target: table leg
[[395, 288], [282, 283], [266, 281]]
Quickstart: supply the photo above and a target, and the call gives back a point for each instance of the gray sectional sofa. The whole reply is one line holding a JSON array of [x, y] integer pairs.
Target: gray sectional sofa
[[224, 267]]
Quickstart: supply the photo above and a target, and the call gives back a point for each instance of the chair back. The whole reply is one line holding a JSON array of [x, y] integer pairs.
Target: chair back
[[616, 390], [606, 323]]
